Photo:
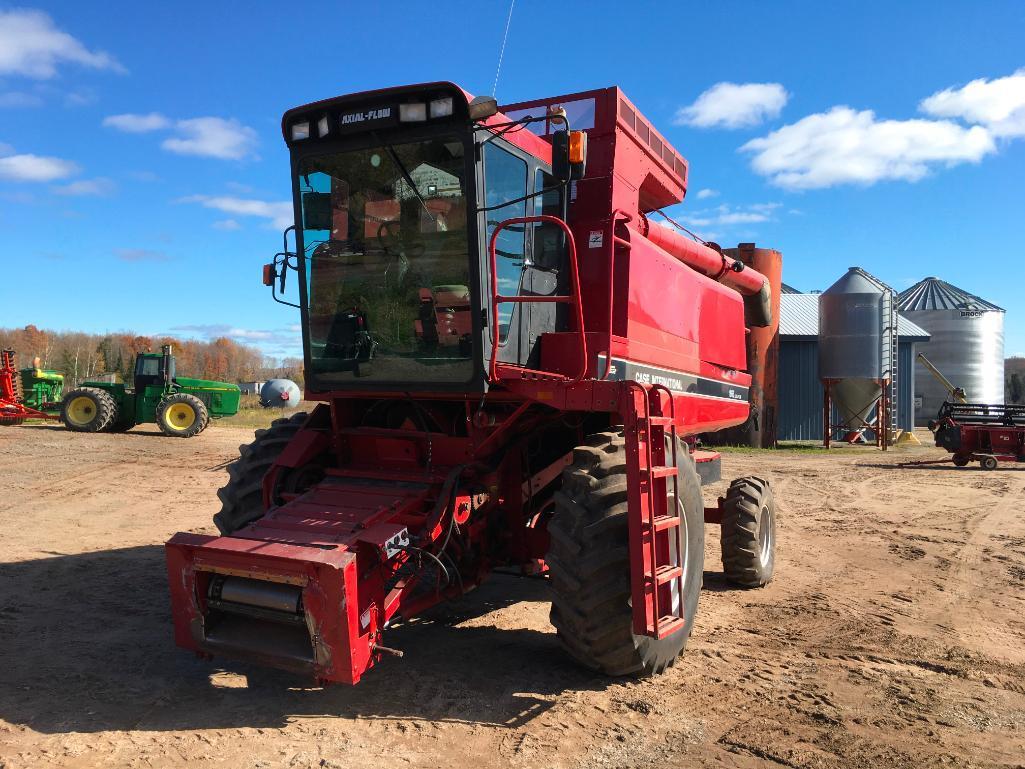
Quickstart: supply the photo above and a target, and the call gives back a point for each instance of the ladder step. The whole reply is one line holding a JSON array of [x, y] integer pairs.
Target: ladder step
[[669, 625], [660, 471], [665, 574], [663, 522], [657, 420]]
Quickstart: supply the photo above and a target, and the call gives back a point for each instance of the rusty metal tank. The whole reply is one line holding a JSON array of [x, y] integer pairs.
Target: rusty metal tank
[[762, 355]]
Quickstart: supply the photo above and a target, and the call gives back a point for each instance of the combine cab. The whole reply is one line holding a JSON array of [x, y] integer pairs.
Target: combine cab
[[512, 363]]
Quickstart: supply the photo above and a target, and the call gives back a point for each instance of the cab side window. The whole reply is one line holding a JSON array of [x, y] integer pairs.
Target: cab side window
[[505, 178]]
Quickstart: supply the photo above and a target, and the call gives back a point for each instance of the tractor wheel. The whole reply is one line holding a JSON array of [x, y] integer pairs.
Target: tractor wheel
[[749, 532], [988, 463], [242, 497], [87, 410], [589, 561], [181, 415]]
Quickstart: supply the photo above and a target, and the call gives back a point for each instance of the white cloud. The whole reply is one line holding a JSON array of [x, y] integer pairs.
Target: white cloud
[[31, 45], [725, 215], [35, 168], [707, 193], [136, 123], [998, 104], [18, 99], [97, 187], [286, 341], [734, 105], [843, 146], [140, 255], [226, 224], [278, 213], [212, 137]]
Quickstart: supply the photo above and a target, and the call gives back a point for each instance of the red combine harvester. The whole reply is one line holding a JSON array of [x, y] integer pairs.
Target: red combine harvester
[[513, 362]]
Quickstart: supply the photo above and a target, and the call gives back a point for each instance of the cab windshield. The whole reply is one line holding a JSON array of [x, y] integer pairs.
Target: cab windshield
[[387, 262]]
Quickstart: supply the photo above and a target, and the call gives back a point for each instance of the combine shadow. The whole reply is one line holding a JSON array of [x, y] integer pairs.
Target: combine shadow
[[85, 646]]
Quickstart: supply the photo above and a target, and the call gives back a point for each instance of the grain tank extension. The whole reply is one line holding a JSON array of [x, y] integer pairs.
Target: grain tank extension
[[511, 363]]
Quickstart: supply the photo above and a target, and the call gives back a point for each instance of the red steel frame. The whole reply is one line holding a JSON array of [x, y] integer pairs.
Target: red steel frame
[[667, 315]]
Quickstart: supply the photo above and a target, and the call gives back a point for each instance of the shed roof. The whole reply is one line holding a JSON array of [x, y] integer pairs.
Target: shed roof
[[799, 317]]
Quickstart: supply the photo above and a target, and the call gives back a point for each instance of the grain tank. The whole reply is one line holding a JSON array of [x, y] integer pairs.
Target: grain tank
[[857, 344], [967, 343]]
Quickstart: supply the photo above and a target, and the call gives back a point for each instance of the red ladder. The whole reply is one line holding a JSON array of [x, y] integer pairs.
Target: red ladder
[[657, 573]]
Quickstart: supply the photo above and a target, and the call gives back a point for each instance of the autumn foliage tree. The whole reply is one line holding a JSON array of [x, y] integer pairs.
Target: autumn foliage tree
[[81, 356]]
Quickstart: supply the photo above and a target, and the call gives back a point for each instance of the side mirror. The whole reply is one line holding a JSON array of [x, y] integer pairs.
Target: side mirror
[[569, 155]]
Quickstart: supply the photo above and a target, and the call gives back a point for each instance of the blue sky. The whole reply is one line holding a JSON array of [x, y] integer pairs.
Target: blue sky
[[143, 180]]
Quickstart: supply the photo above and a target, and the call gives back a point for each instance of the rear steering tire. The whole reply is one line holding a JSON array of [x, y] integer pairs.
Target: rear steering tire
[[88, 410], [749, 532], [589, 561], [181, 415], [988, 463]]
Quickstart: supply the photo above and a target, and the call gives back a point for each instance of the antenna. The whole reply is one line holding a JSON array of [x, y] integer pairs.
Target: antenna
[[501, 53]]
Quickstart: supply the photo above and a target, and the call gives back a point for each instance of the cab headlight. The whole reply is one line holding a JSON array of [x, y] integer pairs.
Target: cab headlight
[[413, 113], [441, 107]]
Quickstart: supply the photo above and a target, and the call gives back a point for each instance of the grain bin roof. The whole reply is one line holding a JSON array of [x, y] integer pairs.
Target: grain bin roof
[[799, 317], [936, 294]]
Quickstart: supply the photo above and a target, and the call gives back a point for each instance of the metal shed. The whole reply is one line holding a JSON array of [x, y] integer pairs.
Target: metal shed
[[800, 392]]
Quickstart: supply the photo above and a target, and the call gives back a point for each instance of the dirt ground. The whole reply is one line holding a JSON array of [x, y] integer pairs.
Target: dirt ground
[[893, 635]]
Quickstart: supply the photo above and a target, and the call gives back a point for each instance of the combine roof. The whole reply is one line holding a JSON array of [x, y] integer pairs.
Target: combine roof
[[935, 294], [799, 319]]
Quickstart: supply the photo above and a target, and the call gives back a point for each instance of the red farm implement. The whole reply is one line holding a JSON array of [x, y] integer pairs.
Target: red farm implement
[[13, 409], [986, 433], [512, 362]]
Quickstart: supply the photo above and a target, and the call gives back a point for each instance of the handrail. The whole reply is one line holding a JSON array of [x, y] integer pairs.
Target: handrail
[[614, 239], [573, 298]]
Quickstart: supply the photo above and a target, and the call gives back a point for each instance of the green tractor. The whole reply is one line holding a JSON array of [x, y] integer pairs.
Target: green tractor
[[181, 407]]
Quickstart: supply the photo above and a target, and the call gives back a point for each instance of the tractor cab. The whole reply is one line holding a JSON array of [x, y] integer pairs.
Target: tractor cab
[[407, 206], [153, 369]]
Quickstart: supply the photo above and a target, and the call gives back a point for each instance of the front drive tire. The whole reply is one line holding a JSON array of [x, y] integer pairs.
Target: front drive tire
[[242, 497], [589, 561], [181, 415], [749, 532], [88, 410]]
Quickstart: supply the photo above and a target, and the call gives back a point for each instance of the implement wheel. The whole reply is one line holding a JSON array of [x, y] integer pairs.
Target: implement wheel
[[749, 532], [9, 421], [242, 497], [181, 415], [589, 561], [87, 410], [988, 463]]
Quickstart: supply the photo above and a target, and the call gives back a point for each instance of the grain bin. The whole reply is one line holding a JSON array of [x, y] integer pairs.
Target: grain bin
[[966, 344], [857, 347]]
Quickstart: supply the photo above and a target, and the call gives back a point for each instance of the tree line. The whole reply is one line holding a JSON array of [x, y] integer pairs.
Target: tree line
[[80, 356]]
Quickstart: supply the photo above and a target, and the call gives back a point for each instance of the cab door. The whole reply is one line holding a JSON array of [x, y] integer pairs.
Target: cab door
[[527, 257]]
